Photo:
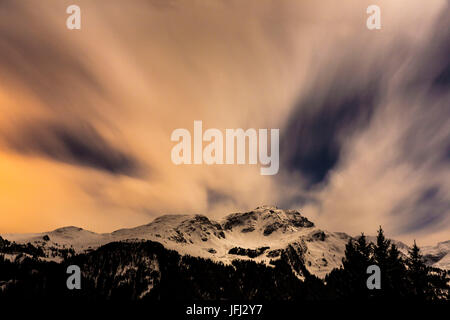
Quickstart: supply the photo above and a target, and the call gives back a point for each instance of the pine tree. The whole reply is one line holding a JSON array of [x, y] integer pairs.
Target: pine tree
[[350, 253], [380, 251], [439, 281], [395, 278], [417, 274], [357, 259], [364, 251], [410, 279]]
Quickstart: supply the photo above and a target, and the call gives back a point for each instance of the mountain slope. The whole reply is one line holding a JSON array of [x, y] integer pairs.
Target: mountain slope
[[261, 235], [145, 270], [438, 255]]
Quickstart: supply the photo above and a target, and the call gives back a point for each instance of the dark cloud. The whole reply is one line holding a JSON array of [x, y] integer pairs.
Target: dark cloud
[[37, 56], [296, 201], [426, 140], [342, 101], [215, 196], [78, 145], [313, 137], [432, 65], [428, 208], [49, 63], [440, 56]]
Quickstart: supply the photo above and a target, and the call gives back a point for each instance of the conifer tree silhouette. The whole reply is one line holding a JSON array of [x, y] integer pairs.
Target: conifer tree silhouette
[[417, 274], [395, 285], [380, 251], [357, 259]]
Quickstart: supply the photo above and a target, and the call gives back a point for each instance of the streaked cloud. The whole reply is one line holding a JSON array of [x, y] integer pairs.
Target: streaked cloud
[[86, 116]]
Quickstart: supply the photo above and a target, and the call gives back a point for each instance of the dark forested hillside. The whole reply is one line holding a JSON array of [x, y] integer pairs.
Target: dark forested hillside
[[146, 270]]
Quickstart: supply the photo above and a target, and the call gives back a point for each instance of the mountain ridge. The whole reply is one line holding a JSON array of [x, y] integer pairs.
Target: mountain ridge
[[259, 235]]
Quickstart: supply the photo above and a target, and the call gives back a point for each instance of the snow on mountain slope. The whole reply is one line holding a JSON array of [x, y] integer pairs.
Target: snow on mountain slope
[[444, 263], [438, 255], [66, 237], [261, 235], [402, 247]]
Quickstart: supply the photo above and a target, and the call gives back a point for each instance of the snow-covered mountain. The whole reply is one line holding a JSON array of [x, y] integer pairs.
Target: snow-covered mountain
[[438, 255], [260, 235]]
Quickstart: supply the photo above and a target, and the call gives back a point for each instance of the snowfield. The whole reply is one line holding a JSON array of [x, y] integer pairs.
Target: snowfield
[[259, 235]]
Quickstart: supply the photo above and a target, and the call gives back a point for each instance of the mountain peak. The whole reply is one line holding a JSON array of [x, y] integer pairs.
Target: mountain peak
[[261, 234], [266, 219], [68, 229], [266, 207]]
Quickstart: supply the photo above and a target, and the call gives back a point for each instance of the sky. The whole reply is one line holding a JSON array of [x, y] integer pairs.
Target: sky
[[86, 115]]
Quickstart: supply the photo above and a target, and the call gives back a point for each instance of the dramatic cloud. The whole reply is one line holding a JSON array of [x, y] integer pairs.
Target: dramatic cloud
[[86, 115], [79, 146], [318, 127]]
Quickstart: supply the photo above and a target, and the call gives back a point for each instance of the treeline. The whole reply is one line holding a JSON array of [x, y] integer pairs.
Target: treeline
[[401, 278], [33, 251], [146, 270], [12, 247]]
